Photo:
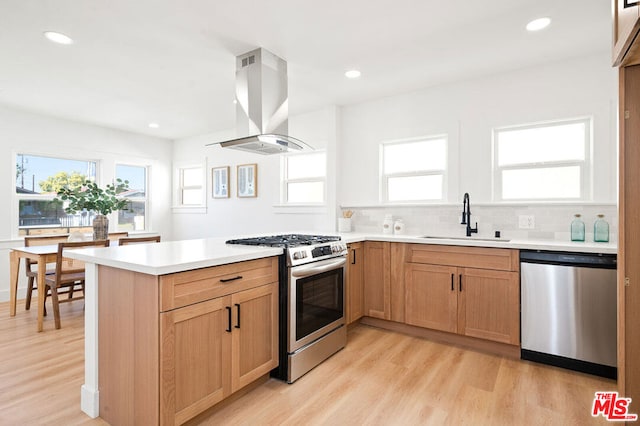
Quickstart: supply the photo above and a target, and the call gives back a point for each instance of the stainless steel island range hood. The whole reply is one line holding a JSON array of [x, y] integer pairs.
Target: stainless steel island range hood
[[262, 106]]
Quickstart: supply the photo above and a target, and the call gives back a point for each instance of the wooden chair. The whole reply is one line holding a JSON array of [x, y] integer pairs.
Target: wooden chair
[[115, 236], [68, 274], [32, 274], [138, 240]]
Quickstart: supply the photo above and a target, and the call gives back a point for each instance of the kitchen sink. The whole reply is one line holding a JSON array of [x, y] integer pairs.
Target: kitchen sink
[[501, 240]]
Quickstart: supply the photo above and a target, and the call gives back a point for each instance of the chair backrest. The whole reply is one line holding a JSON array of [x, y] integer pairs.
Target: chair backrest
[[138, 240], [115, 236], [42, 240], [66, 265]]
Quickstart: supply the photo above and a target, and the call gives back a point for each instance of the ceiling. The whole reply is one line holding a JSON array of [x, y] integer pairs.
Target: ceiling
[[173, 62]]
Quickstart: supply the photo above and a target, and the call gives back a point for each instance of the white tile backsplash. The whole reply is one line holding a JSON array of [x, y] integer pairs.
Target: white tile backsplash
[[551, 221]]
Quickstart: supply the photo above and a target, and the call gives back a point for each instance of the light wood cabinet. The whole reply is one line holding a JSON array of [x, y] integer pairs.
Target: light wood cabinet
[[377, 279], [629, 230], [431, 296], [172, 346], [626, 24], [195, 359], [254, 338], [442, 294], [355, 282], [489, 305]]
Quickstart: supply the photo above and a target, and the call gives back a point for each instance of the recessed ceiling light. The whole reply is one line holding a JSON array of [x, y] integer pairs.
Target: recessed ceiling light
[[235, 101], [58, 37], [352, 74], [154, 125], [538, 24]]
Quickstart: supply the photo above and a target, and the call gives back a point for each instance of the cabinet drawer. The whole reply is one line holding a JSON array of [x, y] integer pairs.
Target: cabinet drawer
[[186, 288], [468, 257]]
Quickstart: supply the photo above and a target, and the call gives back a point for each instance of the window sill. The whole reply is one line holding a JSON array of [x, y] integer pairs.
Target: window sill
[[189, 209], [318, 209]]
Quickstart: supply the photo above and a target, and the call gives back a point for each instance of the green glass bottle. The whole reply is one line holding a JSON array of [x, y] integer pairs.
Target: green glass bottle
[[577, 229], [601, 230]]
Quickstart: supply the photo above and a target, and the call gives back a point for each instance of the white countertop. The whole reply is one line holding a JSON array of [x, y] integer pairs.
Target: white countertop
[[172, 256], [177, 256]]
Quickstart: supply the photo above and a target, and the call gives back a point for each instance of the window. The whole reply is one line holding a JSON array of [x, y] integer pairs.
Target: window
[[304, 177], [38, 178], [191, 191], [134, 218], [547, 161], [413, 171]]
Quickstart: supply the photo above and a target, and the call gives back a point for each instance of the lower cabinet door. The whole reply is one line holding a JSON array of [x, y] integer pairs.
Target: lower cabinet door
[[431, 297], [194, 359], [255, 334], [488, 305]]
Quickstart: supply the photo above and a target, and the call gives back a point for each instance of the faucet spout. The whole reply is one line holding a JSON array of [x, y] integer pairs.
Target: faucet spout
[[466, 215]]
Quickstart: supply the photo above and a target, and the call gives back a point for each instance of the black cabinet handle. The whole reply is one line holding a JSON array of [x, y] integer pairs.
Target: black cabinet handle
[[238, 317], [226, 280], [460, 282], [452, 289], [353, 262], [228, 308]]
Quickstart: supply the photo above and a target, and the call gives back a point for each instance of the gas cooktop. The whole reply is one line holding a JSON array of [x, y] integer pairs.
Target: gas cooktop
[[286, 240]]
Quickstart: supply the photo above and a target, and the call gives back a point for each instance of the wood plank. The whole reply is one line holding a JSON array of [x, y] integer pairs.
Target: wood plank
[[381, 377], [129, 346], [629, 241]]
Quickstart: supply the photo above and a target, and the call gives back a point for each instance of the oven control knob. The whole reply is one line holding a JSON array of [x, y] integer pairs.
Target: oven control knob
[[297, 255]]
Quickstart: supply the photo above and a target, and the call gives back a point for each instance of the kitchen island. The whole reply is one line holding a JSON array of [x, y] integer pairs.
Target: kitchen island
[[128, 291]]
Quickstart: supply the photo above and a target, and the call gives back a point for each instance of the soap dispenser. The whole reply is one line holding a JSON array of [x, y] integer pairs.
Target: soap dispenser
[[577, 229], [601, 230]]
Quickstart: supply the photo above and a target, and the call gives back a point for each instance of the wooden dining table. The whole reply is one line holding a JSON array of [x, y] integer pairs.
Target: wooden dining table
[[42, 255]]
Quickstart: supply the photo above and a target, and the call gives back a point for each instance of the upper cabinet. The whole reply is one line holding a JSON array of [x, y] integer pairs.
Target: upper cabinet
[[626, 24]]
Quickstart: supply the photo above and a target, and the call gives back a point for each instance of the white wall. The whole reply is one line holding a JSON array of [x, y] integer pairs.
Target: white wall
[[467, 111], [263, 214], [23, 132]]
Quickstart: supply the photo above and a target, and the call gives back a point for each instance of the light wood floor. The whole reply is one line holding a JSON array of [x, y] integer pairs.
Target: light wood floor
[[380, 378]]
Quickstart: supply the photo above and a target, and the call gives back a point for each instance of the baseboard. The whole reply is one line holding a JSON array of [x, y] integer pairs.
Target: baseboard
[[90, 401], [495, 348]]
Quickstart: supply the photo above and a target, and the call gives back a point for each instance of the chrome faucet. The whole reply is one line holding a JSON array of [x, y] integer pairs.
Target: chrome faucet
[[466, 215]]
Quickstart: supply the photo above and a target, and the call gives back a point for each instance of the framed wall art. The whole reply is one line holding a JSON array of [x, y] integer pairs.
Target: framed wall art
[[220, 183], [247, 180]]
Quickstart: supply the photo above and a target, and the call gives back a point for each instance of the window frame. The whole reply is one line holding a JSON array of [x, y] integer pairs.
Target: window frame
[[586, 166], [17, 197], [178, 187], [147, 214], [285, 180], [384, 177]]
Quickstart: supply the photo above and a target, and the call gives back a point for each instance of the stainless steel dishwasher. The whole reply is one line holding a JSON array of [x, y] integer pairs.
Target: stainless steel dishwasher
[[568, 310]]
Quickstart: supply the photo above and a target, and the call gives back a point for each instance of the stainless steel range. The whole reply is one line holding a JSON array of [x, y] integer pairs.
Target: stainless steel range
[[312, 318]]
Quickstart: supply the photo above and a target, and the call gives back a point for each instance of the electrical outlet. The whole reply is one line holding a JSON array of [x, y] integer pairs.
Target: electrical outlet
[[526, 221]]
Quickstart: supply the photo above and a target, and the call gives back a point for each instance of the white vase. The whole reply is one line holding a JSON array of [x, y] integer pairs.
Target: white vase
[[100, 227]]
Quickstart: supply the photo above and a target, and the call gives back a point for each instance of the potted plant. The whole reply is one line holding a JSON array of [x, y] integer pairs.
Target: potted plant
[[89, 196]]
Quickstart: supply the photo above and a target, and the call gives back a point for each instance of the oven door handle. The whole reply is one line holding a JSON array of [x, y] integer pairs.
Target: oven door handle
[[303, 271]]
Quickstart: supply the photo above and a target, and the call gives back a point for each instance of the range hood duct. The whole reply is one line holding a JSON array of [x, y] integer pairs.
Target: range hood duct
[[262, 106]]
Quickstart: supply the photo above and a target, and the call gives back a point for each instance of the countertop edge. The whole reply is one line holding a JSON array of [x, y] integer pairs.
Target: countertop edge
[[88, 256], [568, 246], [217, 253]]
